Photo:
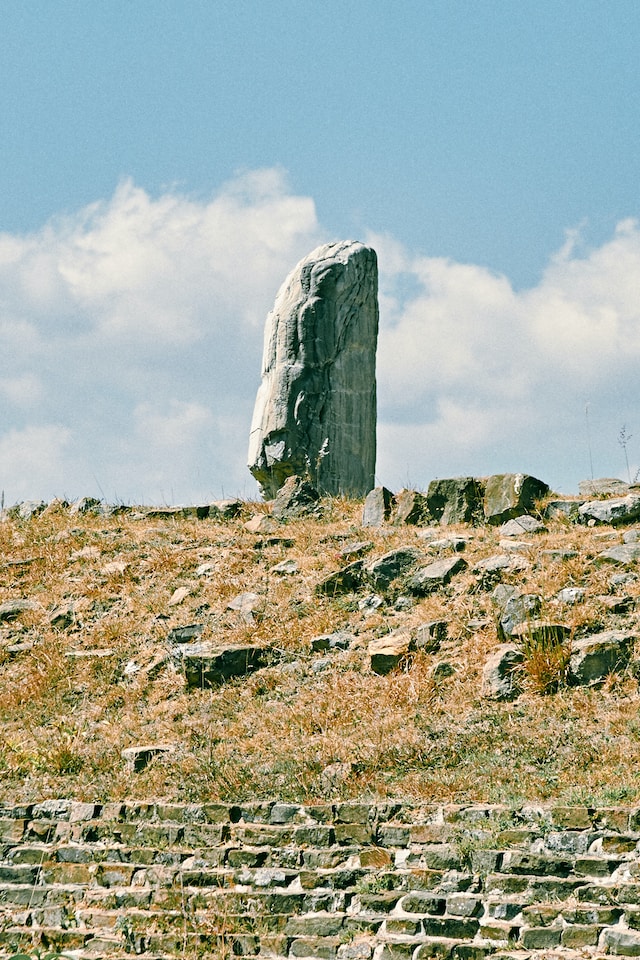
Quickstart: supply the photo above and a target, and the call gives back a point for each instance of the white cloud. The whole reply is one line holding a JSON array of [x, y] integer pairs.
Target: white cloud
[[132, 336], [138, 322], [24, 391], [497, 379]]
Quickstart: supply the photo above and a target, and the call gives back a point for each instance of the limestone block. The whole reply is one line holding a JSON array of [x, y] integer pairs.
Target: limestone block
[[315, 412], [509, 495], [377, 507], [617, 510], [594, 657], [435, 575], [454, 499]]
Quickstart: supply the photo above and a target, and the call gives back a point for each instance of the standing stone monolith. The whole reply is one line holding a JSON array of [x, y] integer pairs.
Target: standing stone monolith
[[315, 412]]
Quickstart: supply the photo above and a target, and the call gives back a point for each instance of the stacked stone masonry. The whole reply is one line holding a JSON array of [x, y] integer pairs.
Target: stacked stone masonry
[[351, 881]]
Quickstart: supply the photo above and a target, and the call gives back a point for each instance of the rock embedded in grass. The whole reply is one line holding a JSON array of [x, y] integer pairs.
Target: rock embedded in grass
[[388, 652], [613, 511], [594, 657], [435, 576]]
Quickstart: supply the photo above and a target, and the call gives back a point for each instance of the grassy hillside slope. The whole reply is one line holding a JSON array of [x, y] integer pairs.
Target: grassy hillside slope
[[86, 670]]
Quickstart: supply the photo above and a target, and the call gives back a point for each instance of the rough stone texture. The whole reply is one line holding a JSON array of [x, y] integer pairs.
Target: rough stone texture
[[617, 510], [435, 575], [603, 486], [390, 651], [295, 498], [509, 495], [336, 880], [455, 499], [520, 525], [517, 609], [500, 675], [377, 507], [381, 571], [622, 553], [205, 665], [409, 507], [600, 654], [315, 412]]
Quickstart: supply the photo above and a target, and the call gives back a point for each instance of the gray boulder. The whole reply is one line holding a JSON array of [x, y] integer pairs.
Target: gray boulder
[[435, 575], [603, 487], [509, 495], [594, 657], [315, 412], [455, 500], [206, 665], [520, 525], [381, 571], [616, 510], [295, 498], [562, 509], [622, 553], [377, 507], [501, 673], [409, 507]]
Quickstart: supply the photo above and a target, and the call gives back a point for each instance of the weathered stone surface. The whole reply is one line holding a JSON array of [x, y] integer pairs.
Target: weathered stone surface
[[11, 609], [138, 757], [409, 507], [517, 609], [621, 942], [455, 499], [259, 523], [346, 580], [381, 571], [295, 498], [340, 640], [501, 673], [559, 509], [207, 665], [435, 575], [602, 487], [622, 553], [509, 495], [390, 651], [617, 510], [315, 412], [520, 525], [431, 634], [377, 507], [594, 657]]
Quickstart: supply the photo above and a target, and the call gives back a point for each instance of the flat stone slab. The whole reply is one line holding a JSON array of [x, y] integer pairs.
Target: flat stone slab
[[206, 665], [389, 652], [617, 510], [435, 575]]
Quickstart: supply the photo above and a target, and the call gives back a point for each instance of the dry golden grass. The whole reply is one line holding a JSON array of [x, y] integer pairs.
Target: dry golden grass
[[413, 733]]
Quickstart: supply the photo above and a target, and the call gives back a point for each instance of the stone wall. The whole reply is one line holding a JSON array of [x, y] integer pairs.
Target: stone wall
[[385, 880]]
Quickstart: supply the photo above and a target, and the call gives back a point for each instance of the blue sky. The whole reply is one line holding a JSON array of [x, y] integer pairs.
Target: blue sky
[[165, 164]]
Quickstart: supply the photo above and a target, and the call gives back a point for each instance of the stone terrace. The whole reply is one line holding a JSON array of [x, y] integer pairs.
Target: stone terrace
[[354, 881]]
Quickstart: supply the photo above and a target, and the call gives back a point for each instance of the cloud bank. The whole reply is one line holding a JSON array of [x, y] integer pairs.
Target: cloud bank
[[132, 334]]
